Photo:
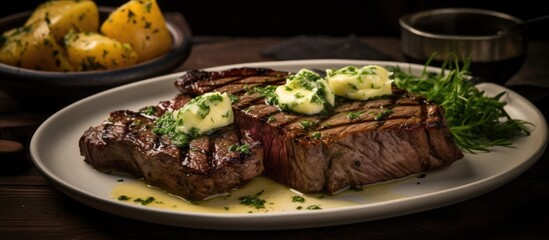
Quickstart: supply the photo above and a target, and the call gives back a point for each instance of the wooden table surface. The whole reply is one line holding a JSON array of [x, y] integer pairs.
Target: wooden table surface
[[31, 208]]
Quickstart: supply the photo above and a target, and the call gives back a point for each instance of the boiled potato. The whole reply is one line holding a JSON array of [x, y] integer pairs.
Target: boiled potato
[[141, 24], [34, 47], [62, 16], [93, 51]]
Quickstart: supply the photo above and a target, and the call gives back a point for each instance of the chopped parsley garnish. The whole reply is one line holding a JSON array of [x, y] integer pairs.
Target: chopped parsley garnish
[[306, 124], [144, 201], [352, 86], [381, 115], [250, 108], [226, 115], [268, 92], [253, 201], [123, 198], [244, 148], [317, 99], [131, 15], [147, 24], [354, 115], [313, 207], [271, 119], [316, 135], [166, 125], [90, 63], [234, 99], [150, 110], [298, 199], [310, 207], [148, 6]]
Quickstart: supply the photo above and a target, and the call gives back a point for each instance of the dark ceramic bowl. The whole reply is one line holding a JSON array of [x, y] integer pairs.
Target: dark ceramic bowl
[[53, 90], [477, 34]]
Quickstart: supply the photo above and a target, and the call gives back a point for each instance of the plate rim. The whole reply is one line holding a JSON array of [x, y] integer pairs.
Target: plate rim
[[278, 221]]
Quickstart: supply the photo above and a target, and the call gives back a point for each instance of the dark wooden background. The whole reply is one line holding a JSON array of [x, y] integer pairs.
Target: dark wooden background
[[335, 18]]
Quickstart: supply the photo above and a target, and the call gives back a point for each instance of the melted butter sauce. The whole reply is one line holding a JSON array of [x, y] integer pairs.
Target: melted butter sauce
[[278, 197]]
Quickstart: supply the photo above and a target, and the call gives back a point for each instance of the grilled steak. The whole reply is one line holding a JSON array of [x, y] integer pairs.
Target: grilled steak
[[125, 142], [357, 143]]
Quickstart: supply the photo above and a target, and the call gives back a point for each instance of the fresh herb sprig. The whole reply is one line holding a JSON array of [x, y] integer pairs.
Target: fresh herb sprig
[[476, 121]]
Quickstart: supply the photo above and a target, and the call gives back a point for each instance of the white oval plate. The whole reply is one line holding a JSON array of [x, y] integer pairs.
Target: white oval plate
[[54, 150]]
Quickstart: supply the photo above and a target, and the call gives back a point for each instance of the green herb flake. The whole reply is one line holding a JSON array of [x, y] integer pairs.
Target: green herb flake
[[316, 135], [226, 115], [131, 15], [244, 148], [148, 6], [89, 63], [352, 86], [147, 25], [313, 207], [271, 119], [253, 201], [354, 115], [316, 99], [268, 92], [123, 198], [250, 108], [234, 99], [202, 103], [383, 114], [306, 124], [166, 125], [144, 201], [150, 111], [298, 199]]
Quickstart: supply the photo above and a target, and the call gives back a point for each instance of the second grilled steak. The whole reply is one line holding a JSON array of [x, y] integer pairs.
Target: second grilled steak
[[125, 142], [357, 143]]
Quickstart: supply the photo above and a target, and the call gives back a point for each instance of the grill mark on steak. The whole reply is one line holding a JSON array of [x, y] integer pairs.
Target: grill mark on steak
[[125, 142], [371, 148]]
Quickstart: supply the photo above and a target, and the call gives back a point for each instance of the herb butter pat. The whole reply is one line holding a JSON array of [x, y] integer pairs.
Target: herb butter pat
[[204, 113], [305, 92], [360, 83]]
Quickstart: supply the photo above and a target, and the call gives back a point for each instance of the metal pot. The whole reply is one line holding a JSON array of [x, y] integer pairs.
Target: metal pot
[[477, 34]]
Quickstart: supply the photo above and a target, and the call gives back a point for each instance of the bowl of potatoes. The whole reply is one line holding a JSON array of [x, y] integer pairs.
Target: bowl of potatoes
[[63, 51]]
